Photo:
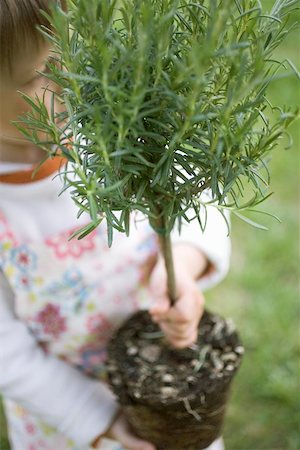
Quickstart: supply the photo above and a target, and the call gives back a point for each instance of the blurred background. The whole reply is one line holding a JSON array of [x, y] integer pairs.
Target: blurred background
[[262, 295]]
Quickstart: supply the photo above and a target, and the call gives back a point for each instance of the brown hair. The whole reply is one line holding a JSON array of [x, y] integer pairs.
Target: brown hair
[[19, 20]]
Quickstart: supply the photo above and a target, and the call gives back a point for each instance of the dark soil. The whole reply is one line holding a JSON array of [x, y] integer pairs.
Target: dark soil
[[174, 398]]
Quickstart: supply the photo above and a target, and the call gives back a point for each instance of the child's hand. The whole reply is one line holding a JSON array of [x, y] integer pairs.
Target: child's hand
[[121, 432], [179, 322]]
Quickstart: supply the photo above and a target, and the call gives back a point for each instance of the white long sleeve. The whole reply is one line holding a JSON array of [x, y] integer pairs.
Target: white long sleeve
[[30, 377], [214, 242]]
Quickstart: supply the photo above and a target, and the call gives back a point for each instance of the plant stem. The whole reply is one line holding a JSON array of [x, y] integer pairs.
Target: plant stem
[[166, 250], [160, 226]]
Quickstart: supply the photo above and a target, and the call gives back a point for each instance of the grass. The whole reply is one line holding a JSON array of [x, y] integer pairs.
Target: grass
[[4, 444], [261, 294]]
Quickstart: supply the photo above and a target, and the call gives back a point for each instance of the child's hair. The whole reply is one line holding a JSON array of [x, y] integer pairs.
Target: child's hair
[[19, 20]]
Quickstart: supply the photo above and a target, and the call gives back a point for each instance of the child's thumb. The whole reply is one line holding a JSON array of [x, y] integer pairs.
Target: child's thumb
[[122, 433], [157, 282], [160, 306], [134, 443]]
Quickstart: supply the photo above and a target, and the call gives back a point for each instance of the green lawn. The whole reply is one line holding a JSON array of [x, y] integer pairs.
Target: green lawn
[[261, 293], [4, 445]]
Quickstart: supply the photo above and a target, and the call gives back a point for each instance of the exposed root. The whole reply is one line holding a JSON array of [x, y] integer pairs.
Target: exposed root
[[189, 409]]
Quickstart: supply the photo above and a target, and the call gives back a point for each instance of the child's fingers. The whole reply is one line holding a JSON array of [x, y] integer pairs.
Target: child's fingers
[[180, 339], [161, 306], [132, 443], [187, 308], [181, 343], [174, 332], [158, 282], [124, 435]]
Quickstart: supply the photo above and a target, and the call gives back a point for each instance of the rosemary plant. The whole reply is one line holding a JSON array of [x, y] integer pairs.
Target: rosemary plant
[[164, 99]]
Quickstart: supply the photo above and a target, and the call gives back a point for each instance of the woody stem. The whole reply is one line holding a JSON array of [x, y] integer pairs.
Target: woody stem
[[167, 253]]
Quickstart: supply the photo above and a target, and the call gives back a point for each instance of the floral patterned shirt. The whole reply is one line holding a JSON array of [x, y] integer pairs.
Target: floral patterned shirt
[[70, 296]]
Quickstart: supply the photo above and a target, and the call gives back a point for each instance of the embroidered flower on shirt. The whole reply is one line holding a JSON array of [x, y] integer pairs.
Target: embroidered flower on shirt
[[23, 258], [32, 447], [3, 222], [72, 276], [7, 238], [51, 320], [64, 248], [78, 287], [91, 358], [30, 428], [99, 325], [24, 281]]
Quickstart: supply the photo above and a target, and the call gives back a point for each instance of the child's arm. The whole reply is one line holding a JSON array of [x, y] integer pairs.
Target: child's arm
[[79, 407], [200, 261], [214, 243]]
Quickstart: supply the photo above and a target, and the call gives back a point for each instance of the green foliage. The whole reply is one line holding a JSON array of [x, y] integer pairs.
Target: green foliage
[[164, 99]]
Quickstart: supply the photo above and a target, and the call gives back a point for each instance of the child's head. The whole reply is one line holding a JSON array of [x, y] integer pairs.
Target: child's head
[[23, 50], [18, 29]]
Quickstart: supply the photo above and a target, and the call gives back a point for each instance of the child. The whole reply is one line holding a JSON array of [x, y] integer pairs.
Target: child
[[61, 300]]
